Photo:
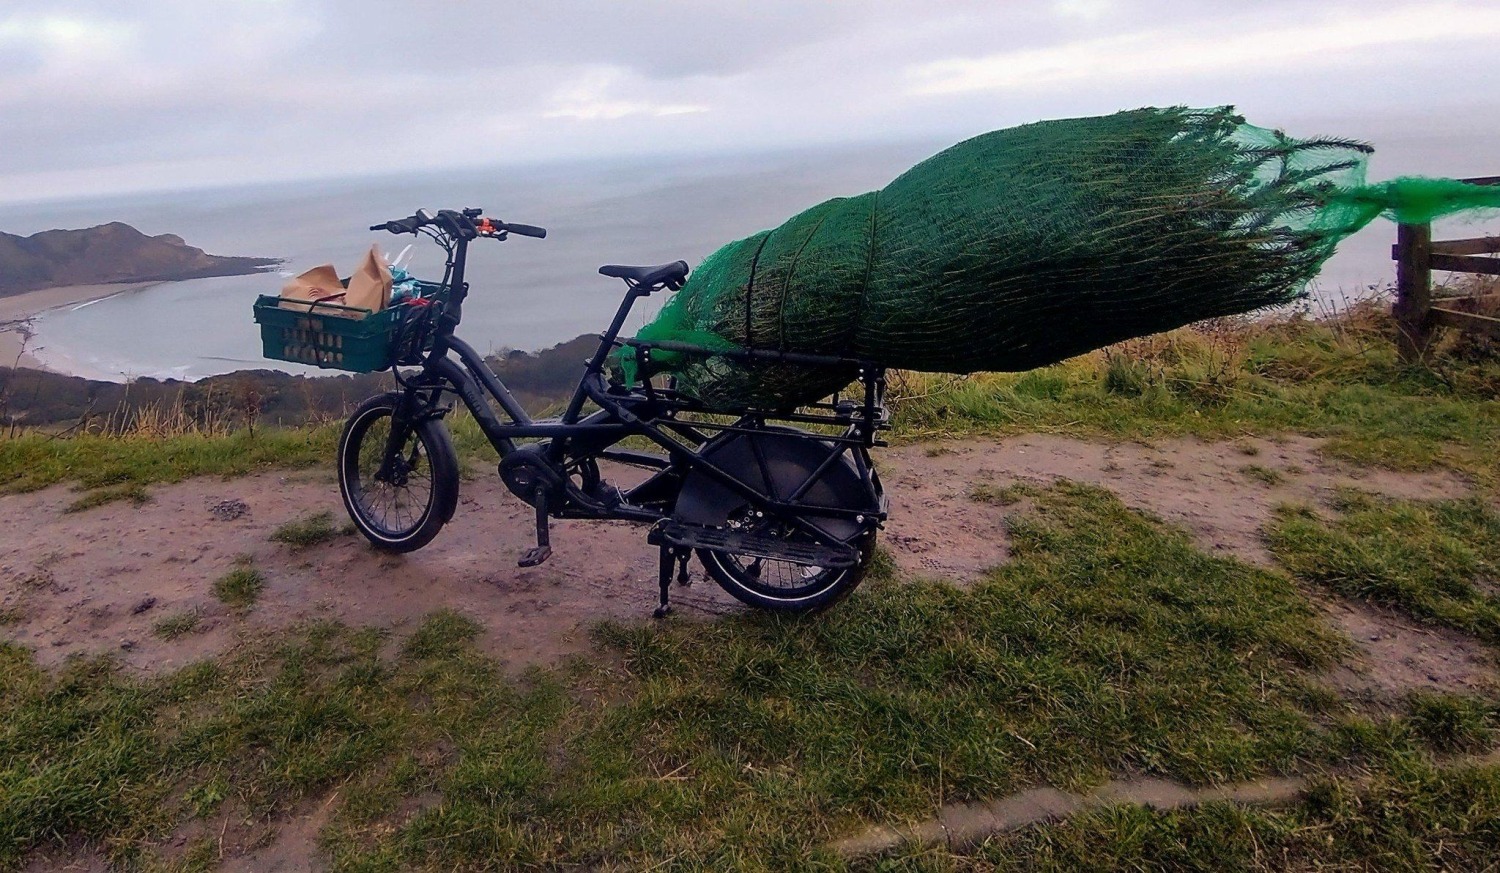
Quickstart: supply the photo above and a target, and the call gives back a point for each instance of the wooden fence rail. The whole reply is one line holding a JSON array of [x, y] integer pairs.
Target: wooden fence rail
[[1417, 312]]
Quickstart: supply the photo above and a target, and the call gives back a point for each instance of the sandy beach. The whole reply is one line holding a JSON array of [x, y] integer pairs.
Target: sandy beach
[[17, 309]]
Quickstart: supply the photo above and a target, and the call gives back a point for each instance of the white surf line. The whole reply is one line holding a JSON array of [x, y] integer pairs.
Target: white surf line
[[74, 307], [87, 303]]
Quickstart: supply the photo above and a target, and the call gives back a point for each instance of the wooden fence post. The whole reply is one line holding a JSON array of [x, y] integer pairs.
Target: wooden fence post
[[1413, 289]]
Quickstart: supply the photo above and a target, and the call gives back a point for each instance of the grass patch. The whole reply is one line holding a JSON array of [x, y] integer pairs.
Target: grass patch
[[1437, 560], [89, 753], [1412, 816], [241, 586], [1451, 723], [31, 461], [302, 533], [1263, 475], [1340, 380], [1002, 495], [181, 624], [134, 492]]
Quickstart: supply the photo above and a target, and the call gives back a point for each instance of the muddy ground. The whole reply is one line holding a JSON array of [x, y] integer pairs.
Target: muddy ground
[[101, 579]]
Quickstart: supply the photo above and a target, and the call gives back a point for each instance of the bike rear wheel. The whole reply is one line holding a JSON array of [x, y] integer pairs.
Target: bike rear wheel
[[783, 464], [784, 586], [401, 502]]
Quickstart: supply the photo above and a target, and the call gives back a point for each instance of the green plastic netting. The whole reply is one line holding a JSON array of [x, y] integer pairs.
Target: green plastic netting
[[1022, 247]]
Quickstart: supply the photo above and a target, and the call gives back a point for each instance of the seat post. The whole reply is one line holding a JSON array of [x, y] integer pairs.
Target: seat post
[[606, 343]]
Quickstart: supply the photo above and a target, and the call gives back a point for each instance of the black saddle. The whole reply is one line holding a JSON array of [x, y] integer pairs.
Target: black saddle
[[671, 275]]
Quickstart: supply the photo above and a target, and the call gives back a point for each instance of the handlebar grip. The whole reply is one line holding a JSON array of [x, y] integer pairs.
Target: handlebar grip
[[526, 230], [402, 225]]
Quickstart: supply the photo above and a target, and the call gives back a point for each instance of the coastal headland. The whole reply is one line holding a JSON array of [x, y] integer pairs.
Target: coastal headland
[[109, 254]]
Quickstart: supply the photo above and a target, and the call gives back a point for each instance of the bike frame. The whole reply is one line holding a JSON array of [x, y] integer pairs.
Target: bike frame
[[659, 414]]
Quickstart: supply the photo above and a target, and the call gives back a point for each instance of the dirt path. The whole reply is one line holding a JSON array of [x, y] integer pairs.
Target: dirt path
[[1202, 487], [100, 580]]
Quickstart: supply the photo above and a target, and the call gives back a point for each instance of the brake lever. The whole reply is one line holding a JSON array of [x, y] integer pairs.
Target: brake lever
[[485, 227]]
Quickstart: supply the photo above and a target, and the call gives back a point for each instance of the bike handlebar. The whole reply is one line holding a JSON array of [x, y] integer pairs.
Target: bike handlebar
[[467, 224]]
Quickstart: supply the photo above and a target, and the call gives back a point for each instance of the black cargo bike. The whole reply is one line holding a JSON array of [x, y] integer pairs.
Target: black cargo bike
[[782, 517]]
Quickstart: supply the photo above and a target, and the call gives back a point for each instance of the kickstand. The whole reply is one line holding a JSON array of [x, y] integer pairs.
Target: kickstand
[[543, 549], [664, 581]]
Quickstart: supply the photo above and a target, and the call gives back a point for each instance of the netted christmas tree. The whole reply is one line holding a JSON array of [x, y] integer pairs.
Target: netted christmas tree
[[1022, 247]]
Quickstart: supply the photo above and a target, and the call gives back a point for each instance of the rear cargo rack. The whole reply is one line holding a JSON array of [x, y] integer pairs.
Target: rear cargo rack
[[865, 416]]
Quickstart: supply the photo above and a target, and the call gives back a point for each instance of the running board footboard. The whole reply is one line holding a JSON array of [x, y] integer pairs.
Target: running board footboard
[[715, 539]]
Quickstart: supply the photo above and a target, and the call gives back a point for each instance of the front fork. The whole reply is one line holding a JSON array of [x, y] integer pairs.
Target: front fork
[[393, 463]]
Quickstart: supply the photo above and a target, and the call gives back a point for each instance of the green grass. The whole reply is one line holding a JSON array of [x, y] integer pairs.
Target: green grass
[[1411, 816], [32, 461], [1436, 560], [241, 586], [308, 531], [90, 753], [1263, 475], [1108, 644], [1060, 666], [1002, 495], [1454, 723], [174, 626], [1257, 380], [134, 492]]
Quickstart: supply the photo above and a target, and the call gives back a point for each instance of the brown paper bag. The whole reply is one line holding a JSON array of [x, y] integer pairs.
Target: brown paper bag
[[318, 285], [370, 285]]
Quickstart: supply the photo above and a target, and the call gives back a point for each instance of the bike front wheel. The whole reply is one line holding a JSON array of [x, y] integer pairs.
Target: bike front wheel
[[399, 496]]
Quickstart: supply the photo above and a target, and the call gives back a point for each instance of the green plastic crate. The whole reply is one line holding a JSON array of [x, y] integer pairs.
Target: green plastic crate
[[327, 336]]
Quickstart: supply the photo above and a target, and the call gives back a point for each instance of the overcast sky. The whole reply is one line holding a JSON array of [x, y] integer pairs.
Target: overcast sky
[[111, 96]]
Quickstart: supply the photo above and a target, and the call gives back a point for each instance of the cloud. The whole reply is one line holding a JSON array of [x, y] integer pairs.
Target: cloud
[[39, 49], [1178, 53], [608, 110], [101, 96], [594, 96], [1086, 9], [66, 36]]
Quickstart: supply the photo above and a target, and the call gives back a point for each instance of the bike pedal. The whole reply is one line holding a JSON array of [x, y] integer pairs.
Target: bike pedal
[[533, 557]]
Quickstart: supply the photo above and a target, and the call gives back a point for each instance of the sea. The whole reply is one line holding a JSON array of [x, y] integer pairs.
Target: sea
[[525, 293]]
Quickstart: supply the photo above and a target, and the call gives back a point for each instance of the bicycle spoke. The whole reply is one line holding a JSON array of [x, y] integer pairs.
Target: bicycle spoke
[[395, 506]]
